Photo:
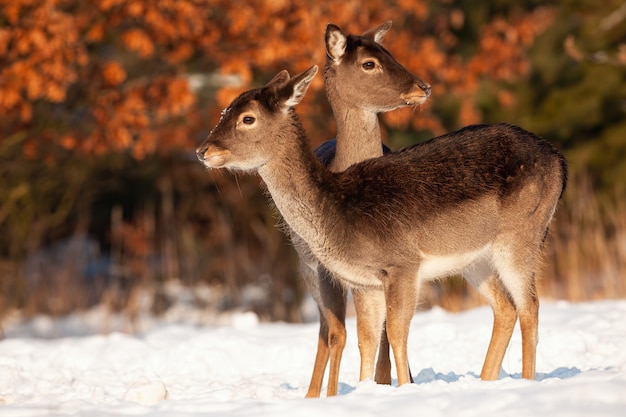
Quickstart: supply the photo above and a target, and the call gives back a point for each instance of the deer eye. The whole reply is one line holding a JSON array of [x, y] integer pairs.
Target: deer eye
[[248, 120], [368, 65]]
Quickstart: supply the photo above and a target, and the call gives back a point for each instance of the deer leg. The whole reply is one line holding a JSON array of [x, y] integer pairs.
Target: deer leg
[[383, 363], [517, 274], [504, 317], [528, 313], [308, 271], [334, 299], [401, 299], [321, 359], [370, 316]]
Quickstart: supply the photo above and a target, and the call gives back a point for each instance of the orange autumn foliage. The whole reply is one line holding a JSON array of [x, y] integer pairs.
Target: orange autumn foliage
[[113, 75]]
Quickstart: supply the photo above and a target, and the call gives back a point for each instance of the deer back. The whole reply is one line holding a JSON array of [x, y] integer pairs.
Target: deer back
[[455, 190]]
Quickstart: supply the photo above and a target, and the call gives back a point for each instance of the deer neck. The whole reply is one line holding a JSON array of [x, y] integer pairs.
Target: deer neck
[[358, 135], [299, 187]]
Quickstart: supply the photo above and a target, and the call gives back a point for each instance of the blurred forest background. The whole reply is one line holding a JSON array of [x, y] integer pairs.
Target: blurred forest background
[[103, 102]]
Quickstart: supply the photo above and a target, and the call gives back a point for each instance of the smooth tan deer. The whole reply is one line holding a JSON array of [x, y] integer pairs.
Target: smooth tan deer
[[477, 202], [362, 79]]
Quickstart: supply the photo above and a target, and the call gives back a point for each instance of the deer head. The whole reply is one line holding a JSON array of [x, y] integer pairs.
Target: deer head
[[366, 75], [244, 139]]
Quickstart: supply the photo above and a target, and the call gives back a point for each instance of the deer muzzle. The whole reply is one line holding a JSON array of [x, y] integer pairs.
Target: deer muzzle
[[211, 157], [417, 95]]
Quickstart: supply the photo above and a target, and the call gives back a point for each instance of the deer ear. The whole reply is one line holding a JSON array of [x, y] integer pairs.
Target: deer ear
[[299, 85], [377, 34], [335, 42], [279, 79]]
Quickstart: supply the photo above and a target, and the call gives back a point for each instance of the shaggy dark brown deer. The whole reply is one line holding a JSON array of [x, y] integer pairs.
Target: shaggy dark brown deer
[[476, 202], [362, 79]]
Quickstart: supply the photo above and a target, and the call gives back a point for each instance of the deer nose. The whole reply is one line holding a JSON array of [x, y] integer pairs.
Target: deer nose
[[418, 93], [200, 152]]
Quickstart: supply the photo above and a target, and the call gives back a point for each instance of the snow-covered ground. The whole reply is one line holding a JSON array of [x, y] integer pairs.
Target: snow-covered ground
[[175, 367]]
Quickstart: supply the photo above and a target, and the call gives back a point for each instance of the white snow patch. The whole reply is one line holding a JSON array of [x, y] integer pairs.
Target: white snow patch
[[72, 367]]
